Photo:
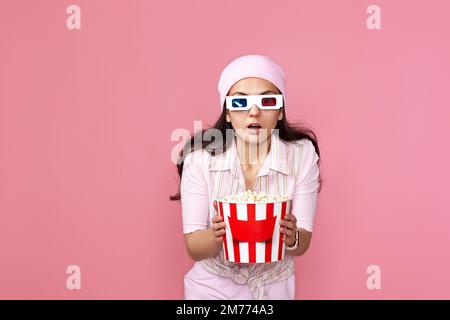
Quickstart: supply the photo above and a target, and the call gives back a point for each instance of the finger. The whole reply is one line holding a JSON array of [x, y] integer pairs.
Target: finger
[[219, 226], [215, 226], [288, 232], [290, 217], [217, 219], [289, 239], [283, 223], [292, 226], [287, 220], [219, 233]]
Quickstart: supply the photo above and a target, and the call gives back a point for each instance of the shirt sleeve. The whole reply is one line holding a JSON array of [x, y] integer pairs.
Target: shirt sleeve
[[304, 200], [194, 196]]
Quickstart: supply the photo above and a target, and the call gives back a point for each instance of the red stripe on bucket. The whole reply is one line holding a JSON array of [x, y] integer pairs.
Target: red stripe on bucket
[[225, 235], [237, 254], [269, 213], [251, 216], [280, 244]]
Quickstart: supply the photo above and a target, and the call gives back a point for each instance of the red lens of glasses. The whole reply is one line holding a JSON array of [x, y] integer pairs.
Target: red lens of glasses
[[268, 102]]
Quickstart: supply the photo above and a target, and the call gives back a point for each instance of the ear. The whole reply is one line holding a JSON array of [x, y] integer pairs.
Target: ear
[[228, 117], [280, 116]]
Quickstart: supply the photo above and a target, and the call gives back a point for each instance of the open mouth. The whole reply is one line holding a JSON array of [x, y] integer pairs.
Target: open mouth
[[254, 128]]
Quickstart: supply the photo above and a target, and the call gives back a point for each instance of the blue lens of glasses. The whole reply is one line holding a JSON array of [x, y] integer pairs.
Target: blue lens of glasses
[[239, 103]]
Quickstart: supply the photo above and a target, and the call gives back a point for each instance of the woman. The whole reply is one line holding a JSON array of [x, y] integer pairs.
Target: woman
[[286, 162]]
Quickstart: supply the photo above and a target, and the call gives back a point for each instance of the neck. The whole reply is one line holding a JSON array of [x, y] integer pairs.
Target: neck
[[252, 154]]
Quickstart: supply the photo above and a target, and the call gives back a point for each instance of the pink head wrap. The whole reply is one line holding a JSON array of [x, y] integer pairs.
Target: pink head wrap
[[253, 65]]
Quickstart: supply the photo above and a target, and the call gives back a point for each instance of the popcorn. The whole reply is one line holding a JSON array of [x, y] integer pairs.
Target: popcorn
[[252, 197]]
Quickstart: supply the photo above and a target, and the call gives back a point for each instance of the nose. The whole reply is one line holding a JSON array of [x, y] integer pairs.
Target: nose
[[254, 109]]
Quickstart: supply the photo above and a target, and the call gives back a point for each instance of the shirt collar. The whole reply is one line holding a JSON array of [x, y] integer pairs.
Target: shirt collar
[[276, 160]]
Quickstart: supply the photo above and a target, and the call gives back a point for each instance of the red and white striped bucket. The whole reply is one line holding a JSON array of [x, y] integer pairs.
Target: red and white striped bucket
[[252, 232]]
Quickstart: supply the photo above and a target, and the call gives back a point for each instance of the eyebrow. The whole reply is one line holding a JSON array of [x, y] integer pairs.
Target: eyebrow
[[244, 94]]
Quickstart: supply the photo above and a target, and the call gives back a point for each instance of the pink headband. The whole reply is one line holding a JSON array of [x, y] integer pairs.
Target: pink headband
[[253, 65]]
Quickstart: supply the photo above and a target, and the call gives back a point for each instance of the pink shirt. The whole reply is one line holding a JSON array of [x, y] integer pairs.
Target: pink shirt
[[290, 168]]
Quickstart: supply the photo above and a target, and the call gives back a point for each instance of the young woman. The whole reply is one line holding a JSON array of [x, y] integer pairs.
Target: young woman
[[286, 163]]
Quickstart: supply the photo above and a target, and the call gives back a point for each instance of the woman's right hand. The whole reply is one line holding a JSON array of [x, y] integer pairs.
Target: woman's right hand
[[218, 225]]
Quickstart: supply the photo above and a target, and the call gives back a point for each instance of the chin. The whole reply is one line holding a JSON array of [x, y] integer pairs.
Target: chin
[[251, 137]]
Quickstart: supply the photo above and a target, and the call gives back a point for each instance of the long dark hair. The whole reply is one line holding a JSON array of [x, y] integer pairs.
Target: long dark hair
[[287, 132]]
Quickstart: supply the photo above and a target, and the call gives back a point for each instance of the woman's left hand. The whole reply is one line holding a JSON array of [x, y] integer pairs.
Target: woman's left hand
[[288, 229]]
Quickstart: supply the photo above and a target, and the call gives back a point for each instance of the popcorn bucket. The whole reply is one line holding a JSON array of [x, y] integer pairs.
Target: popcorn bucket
[[252, 232]]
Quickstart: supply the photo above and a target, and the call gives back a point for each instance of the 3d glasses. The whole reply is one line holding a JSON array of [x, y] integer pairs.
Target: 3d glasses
[[266, 101]]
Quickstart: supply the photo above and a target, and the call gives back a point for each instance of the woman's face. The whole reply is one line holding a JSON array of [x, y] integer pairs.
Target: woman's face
[[267, 119]]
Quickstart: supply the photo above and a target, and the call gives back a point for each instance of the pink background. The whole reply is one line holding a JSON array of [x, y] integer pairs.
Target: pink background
[[86, 118]]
